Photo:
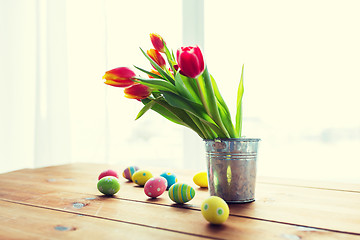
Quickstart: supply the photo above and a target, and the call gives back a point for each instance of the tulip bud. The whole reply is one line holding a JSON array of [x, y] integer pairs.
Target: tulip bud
[[137, 91], [156, 56], [154, 72], [190, 61], [119, 77], [158, 42]]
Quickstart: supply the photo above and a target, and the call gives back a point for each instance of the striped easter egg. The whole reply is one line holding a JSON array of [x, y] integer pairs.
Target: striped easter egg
[[181, 193], [129, 171]]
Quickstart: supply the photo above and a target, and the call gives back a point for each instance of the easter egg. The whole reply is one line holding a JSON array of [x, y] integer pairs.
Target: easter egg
[[215, 210], [140, 177], [129, 171], [108, 185], [181, 193], [155, 186], [170, 178], [108, 172], [201, 179]]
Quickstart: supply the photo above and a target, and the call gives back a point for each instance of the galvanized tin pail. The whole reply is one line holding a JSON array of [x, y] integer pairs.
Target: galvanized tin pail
[[232, 168]]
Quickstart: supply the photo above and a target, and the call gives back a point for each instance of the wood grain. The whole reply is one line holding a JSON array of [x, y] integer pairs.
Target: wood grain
[[327, 185], [175, 218], [287, 204], [281, 211], [20, 221]]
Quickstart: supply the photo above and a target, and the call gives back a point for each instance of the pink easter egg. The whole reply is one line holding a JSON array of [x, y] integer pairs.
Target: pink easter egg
[[108, 172], [155, 186]]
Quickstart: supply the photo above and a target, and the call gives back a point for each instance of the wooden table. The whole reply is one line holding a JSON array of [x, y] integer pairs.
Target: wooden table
[[62, 202]]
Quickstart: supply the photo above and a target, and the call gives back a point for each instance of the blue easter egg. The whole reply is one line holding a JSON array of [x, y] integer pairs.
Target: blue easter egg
[[170, 178]]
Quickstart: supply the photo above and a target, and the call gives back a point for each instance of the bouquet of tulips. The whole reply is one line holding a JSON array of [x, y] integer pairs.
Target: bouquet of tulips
[[183, 91]]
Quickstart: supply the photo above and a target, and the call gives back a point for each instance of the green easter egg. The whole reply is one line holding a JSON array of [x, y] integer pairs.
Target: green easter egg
[[108, 185]]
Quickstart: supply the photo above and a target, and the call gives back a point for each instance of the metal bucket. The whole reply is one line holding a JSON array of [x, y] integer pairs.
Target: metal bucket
[[232, 168]]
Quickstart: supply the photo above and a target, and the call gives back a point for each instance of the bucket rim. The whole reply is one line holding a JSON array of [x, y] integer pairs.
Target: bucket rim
[[233, 140]]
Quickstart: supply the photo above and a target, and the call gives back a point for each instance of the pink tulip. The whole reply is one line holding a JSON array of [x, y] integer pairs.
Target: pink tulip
[[190, 61], [119, 77]]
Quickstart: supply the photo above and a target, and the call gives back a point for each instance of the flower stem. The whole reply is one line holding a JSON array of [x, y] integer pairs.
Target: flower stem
[[210, 103]]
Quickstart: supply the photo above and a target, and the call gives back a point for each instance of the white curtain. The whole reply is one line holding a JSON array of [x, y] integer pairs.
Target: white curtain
[[18, 70], [55, 108]]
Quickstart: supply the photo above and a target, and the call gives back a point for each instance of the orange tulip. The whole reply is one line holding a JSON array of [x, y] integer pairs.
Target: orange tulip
[[137, 91], [119, 77], [156, 56], [154, 72], [158, 42]]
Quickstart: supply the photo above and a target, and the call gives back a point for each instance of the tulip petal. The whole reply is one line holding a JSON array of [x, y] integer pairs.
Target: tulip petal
[[119, 77], [137, 91], [120, 73], [119, 84], [156, 56], [190, 61], [158, 42], [158, 68], [189, 64]]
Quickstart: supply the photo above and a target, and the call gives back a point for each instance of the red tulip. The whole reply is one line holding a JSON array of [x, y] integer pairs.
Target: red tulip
[[158, 42], [156, 56], [119, 77], [137, 91], [190, 61]]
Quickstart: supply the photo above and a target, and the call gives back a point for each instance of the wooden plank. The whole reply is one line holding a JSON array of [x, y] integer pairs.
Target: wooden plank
[[328, 185], [18, 221], [172, 218], [293, 205], [95, 168]]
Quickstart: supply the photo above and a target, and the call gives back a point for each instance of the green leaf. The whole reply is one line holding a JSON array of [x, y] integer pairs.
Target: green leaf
[[149, 73], [171, 59], [163, 111], [193, 108], [157, 84], [223, 110], [226, 119], [159, 69], [175, 115], [147, 106], [209, 100], [187, 87], [239, 104]]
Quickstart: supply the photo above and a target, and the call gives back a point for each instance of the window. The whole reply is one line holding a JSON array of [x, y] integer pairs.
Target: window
[[301, 81]]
